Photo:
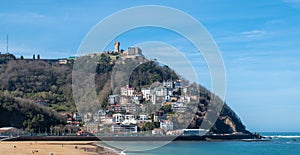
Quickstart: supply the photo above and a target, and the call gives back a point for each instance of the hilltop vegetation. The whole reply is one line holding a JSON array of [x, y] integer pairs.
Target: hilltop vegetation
[[34, 91], [38, 80]]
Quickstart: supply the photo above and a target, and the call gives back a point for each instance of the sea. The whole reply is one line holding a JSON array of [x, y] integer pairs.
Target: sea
[[276, 144]]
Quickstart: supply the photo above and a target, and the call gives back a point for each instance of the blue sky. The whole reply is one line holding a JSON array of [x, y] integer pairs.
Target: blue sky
[[257, 39]]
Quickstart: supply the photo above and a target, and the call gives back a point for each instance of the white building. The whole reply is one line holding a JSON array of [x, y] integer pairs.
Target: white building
[[157, 131], [77, 117], [178, 106], [113, 99], [98, 114], [129, 107], [185, 99], [146, 93], [129, 120], [87, 117], [92, 127], [106, 120], [161, 91], [166, 125], [127, 91], [153, 98], [118, 118], [63, 62], [129, 117], [144, 119], [184, 91], [174, 132], [125, 100], [168, 84]]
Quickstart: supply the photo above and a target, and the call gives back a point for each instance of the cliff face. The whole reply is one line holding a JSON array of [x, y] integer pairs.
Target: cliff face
[[50, 83], [227, 120]]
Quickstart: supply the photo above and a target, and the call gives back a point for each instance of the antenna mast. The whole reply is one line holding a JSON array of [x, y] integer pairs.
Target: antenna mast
[[7, 43]]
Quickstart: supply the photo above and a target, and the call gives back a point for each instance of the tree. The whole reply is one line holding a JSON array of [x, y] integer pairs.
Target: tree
[[148, 126], [166, 108]]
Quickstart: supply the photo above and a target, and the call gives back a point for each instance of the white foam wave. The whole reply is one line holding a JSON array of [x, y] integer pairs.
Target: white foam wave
[[280, 136]]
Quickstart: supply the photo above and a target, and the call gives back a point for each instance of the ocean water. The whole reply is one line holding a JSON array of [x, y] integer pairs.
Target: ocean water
[[281, 143]]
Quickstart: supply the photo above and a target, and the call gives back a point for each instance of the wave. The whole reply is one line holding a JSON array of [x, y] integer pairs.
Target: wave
[[288, 137]]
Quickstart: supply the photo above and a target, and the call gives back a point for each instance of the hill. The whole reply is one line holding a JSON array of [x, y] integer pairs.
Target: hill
[[34, 91]]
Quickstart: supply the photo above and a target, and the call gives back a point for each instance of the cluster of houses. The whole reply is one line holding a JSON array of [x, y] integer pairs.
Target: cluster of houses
[[125, 112]]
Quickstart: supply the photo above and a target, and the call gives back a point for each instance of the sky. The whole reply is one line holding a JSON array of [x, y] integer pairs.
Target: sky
[[258, 41]]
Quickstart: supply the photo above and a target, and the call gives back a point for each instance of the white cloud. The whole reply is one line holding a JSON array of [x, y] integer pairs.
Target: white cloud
[[252, 34], [244, 36], [23, 17]]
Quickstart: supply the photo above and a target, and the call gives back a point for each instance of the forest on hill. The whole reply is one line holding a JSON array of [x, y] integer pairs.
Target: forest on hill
[[35, 93]]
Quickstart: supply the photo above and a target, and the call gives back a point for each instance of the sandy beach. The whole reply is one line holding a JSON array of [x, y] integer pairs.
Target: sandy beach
[[53, 148]]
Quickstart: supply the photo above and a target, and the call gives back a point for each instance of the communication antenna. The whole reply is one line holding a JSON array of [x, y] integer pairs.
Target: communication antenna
[[7, 43]]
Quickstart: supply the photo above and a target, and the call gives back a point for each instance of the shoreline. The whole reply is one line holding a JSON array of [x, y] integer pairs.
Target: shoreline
[[89, 145], [55, 147], [134, 138]]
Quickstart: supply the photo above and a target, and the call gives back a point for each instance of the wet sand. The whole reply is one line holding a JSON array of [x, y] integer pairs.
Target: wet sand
[[52, 148]]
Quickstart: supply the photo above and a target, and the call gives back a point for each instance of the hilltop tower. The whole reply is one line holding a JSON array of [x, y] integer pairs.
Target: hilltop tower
[[116, 46]]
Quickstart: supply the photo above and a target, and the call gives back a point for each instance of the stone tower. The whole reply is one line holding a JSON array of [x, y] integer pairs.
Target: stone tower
[[116, 46]]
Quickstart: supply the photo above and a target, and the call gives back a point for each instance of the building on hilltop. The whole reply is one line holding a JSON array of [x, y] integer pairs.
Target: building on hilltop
[[116, 46], [63, 61], [134, 51]]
